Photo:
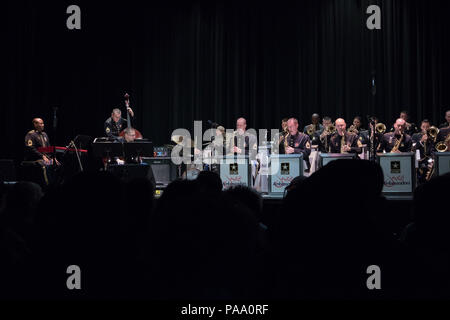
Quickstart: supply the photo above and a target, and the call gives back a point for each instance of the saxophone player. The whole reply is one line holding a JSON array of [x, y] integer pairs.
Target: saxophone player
[[297, 142], [397, 141], [284, 132], [343, 141]]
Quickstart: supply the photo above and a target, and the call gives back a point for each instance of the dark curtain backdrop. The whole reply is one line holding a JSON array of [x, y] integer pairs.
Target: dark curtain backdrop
[[197, 60]]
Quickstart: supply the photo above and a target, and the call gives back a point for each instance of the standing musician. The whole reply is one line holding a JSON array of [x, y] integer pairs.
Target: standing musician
[[447, 120], [35, 139], [397, 141], [296, 142], [115, 124], [314, 129], [325, 134], [343, 141]]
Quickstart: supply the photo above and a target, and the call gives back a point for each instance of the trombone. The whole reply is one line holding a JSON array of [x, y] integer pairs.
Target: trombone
[[380, 128]]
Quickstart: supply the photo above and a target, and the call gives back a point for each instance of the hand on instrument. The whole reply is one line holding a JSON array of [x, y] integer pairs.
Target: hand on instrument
[[290, 150], [237, 150], [197, 151], [47, 161], [130, 111], [424, 138], [347, 148]]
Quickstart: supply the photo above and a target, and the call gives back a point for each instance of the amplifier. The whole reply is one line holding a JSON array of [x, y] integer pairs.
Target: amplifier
[[161, 152]]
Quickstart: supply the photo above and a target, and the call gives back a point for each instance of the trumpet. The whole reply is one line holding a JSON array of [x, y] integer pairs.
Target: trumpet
[[380, 128], [353, 130]]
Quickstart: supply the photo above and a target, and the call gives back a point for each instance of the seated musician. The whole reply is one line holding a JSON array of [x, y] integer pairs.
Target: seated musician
[[377, 136], [410, 128], [128, 137], [35, 139], [447, 120], [114, 124], [325, 135], [421, 141], [314, 129], [241, 138], [282, 134], [297, 142], [357, 128], [397, 141], [343, 141], [443, 135]]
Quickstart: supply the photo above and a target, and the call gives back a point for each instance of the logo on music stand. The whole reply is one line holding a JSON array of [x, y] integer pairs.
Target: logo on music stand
[[234, 169], [395, 167], [285, 168]]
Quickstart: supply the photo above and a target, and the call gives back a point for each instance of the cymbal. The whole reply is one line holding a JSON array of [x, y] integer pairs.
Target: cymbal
[[178, 139]]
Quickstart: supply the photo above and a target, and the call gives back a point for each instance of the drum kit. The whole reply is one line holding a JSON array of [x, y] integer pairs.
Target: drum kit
[[195, 167]]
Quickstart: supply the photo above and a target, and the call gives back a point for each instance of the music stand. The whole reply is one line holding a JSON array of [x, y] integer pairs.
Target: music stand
[[107, 149], [138, 148]]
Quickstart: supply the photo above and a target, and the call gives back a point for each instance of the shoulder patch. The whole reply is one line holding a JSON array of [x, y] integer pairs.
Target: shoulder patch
[[29, 142], [359, 144], [30, 132], [108, 130]]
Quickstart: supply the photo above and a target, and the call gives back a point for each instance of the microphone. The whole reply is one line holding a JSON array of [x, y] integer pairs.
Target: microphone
[[71, 143], [373, 83]]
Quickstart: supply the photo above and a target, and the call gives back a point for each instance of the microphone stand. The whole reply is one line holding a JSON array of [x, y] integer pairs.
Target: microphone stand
[[372, 141]]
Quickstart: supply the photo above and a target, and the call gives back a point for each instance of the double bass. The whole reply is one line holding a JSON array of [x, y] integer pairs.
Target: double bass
[[127, 104]]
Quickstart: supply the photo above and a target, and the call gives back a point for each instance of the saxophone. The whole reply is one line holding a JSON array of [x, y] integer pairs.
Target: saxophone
[[343, 144], [286, 144], [397, 144]]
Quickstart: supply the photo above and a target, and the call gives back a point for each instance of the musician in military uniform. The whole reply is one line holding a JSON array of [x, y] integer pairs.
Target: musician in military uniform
[[421, 141], [443, 134], [297, 142], [357, 128], [447, 120], [410, 128], [284, 132], [398, 137], [343, 141], [243, 142], [35, 139], [325, 135], [115, 124], [314, 129]]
